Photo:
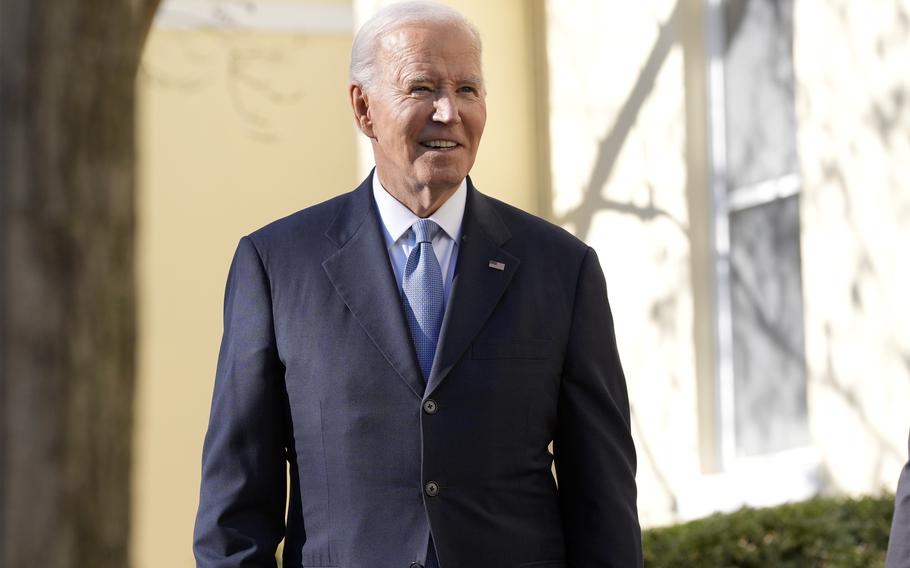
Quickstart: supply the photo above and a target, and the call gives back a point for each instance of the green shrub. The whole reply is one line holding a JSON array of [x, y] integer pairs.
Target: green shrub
[[819, 533]]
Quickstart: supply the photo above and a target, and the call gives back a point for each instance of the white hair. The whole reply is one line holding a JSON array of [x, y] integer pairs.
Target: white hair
[[390, 18]]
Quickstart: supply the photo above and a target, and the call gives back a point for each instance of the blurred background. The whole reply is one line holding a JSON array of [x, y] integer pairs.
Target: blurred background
[[742, 168]]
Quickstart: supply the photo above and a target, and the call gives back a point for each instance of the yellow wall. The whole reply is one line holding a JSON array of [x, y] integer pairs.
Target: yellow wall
[[237, 128], [212, 171]]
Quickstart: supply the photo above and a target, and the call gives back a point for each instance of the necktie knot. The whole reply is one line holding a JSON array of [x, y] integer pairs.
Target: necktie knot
[[424, 230]]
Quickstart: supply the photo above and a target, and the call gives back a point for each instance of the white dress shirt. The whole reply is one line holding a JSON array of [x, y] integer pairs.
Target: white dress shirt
[[397, 220]]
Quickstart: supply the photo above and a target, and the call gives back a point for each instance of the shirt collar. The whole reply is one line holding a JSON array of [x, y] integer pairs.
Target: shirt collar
[[397, 219]]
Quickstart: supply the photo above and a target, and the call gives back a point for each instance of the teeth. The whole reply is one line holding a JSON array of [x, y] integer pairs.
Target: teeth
[[440, 144]]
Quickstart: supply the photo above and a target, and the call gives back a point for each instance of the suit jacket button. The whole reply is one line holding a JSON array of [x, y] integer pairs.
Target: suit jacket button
[[415, 565], [431, 489], [430, 406]]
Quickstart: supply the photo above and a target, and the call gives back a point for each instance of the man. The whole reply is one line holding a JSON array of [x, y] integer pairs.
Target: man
[[411, 349], [899, 543]]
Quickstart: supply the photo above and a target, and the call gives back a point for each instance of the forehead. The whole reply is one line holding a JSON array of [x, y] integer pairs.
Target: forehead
[[436, 49]]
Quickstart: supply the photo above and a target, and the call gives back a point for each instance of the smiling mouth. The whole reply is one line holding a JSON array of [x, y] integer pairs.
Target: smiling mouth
[[439, 144]]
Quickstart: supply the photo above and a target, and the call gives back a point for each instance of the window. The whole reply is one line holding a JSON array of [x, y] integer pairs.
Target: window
[[761, 373]]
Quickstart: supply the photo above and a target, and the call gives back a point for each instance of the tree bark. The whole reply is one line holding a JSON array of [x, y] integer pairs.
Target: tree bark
[[67, 285]]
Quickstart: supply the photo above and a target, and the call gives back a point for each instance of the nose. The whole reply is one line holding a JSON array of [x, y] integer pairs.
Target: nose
[[446, 109]]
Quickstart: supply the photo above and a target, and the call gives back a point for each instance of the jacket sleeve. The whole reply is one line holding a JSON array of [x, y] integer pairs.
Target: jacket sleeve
[[899, 542], [244, 473], [594, 452]]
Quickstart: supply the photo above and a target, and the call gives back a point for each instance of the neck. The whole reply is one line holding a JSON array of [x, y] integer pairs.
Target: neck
[[423, 201]]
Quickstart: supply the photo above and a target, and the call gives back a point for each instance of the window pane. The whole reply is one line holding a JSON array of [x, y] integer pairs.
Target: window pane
[[759, 92], [768, 350]]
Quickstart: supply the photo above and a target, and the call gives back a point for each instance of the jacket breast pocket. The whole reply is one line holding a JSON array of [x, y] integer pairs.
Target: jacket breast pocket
[[519, 349], [544, 564]]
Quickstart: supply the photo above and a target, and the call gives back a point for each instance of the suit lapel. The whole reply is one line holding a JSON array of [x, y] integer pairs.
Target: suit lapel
[[362, 275], [477, 286]]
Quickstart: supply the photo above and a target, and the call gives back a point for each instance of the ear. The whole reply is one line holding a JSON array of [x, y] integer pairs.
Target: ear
[[360, 104]]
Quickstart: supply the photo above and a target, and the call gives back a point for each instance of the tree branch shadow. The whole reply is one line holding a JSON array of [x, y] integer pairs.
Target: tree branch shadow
[[611, 145]]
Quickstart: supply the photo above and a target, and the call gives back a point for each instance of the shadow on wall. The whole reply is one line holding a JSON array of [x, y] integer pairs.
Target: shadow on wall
[[863, 195], [884, 115]]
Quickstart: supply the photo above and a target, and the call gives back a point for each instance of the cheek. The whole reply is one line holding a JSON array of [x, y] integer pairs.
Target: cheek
[[395, 119], [478, 120]]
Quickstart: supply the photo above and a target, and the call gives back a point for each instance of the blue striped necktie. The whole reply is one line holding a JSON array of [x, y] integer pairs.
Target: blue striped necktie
[[422, 293]]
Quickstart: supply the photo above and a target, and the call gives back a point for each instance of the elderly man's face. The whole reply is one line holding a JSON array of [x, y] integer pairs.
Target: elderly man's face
[[426, 109]]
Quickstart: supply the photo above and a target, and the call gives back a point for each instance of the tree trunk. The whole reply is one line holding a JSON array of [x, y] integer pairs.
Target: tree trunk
[[67, 285]]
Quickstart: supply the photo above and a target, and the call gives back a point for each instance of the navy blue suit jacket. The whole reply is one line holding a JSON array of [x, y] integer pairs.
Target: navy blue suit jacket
[[899, 543], [317, 376]]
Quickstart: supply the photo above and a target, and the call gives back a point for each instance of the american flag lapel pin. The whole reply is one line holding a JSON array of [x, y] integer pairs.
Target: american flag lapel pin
[[497, 265]]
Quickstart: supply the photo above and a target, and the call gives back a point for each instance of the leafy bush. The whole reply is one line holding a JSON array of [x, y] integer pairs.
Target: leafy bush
[[819, 533]]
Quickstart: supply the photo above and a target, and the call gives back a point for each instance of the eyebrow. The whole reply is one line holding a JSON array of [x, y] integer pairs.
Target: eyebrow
[[475, 80], [415, 79]]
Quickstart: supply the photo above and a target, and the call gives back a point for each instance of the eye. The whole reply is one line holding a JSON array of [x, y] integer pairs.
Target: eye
[[420, 89], [468, 89]]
